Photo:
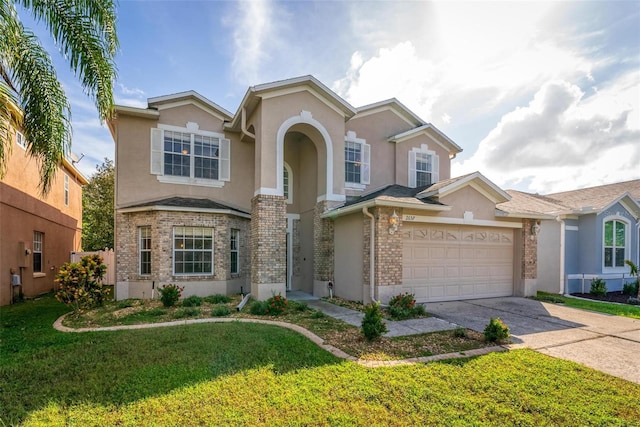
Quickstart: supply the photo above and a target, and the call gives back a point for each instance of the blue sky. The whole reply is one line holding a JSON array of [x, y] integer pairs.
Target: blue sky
[[542, 96]]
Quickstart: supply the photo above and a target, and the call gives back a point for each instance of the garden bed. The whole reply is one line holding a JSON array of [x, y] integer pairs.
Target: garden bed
[[616, 296]]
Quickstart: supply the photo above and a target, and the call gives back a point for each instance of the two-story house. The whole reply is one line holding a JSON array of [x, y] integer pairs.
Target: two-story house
[[37, 233], [298, 190]]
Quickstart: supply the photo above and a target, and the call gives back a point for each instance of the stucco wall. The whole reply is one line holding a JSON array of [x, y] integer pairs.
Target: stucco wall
[[549, 256], [469, 199], [348, 262]]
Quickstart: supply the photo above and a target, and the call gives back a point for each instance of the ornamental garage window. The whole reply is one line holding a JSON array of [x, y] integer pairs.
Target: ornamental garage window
[[192, 251], [615, 243]]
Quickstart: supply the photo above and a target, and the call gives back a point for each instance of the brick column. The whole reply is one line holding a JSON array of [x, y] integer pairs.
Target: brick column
[[388, 254], [268, 246], [323, 250], [529, 259]]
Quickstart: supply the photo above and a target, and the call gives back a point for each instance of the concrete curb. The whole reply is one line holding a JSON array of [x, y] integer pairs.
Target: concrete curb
[[299, 329]]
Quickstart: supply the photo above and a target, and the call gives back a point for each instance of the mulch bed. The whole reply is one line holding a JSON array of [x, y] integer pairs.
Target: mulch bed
[[615, 296]]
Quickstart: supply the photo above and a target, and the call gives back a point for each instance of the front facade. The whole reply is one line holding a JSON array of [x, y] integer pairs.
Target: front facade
[[38, 233], [298, 190]]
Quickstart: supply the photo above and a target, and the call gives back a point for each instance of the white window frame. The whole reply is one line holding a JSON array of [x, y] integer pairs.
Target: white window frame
[[187, 250], [365, 162], [627, 244], [157, 156], [234, 237], [142, 248], [413, 172], [38, 248], [66, 189], [287, 183], [21, 141]]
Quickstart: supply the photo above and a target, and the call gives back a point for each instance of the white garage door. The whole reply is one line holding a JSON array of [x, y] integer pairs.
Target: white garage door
[[452, 262]]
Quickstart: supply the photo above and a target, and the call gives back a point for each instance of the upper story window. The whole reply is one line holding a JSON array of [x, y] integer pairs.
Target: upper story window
[[21, 140], [38, 246], [423, 167], [287, 181], [357, 159], [189, 156], [615, 243], [192, 251], [66, 190]]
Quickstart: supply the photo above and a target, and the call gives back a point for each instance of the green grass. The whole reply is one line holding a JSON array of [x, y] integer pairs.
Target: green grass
[[632, 311], [249, 374]]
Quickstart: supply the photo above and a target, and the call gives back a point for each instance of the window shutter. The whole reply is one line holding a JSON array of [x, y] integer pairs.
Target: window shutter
[[436, 169], [225, 161], [157, 136], [365, 175], [412, 169]]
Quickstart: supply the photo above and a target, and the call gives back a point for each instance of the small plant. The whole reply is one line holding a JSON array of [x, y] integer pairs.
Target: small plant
[[298, 305], [183, 312], [170, 294], [496, 330], [630, 288], [372, 324], [598, 287], [192, 301], [403, 306], [124, 304], [634, 271], [81, 283], [157, 311], [460, 332], [318, 315], [217, 299], [633, 301], [258, 308], [220, 310], [276, 304]]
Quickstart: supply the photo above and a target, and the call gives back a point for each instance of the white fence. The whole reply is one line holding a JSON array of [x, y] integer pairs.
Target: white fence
[[109, 260], [623, 277]]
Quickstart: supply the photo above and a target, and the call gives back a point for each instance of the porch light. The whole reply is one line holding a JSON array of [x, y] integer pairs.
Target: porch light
[[393, 223], [535, 230]]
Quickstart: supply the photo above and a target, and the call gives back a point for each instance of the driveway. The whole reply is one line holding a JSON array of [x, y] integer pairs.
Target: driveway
[[607, 343]]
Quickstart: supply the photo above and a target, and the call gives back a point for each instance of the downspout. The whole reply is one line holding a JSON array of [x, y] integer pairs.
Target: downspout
[[243, 124], [365, 211], [562, 254]]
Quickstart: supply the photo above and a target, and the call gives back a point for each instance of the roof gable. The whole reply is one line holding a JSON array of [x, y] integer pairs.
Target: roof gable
[[395, 107], [433, 134], [475, 180], [189, 97]]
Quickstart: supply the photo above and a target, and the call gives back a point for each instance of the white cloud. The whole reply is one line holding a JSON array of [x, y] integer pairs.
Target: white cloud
[[130, 91], [562, 140]]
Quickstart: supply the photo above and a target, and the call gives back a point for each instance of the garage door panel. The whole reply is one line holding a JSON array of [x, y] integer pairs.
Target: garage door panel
[[455, 262]]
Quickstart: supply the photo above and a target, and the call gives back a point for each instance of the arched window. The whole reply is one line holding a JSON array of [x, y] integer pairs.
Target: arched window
[[287, 183], [615, 243]]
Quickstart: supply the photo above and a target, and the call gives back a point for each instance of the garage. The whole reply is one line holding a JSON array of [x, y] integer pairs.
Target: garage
[[443, 262]]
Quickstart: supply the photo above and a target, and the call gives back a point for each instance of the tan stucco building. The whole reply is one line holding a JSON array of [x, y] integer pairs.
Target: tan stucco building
[[37, 234], [299, 189]]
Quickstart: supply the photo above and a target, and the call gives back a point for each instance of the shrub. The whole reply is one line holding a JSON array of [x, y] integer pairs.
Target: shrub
[[403, 306], [633, 301], [276, 304], [217, 299], [124, 304], [220, 310], [258, 308], [170, 294], [459, 332], [598, 287], [496, 330], [372, 324], [630, 288], [298, 305], [81, 283], [192, 301], [318, 315], [183, 312]]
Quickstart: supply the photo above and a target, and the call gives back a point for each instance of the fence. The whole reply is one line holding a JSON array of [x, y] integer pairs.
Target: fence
[[109, 260], [623, 277]]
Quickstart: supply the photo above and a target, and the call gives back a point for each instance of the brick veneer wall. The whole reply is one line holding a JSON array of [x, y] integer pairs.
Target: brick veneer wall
[[529, 261], [387, 249], [323, 248], [268, 239], [162, 223]]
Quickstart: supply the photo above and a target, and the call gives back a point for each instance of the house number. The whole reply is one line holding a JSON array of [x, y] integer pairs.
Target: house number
[[409, 218]]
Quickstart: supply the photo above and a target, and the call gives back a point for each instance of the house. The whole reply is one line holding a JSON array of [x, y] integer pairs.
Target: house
[[299, 190], [38, 233], [584, 233]]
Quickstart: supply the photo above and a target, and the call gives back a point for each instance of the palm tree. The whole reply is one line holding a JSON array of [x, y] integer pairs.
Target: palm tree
[[31, 97]]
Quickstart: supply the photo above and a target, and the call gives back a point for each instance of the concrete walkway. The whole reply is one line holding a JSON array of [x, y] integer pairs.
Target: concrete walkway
[[604, 342]]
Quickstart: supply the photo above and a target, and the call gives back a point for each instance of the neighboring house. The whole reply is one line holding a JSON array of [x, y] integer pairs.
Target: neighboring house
[[591, 231], [299, 189], [38, 233]]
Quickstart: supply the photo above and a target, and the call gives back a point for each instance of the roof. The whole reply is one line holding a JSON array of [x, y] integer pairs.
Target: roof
[[185, 203], [584, 200], [429, 130], [394, 105], [475, 180]]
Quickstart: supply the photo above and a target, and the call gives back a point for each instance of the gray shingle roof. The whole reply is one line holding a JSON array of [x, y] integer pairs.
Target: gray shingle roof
[[187, 202]]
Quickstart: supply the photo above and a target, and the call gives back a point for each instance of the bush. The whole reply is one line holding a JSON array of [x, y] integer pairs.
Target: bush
[[298, 305], [218, 299], [220, 310], [276, 304], [372, 325], [192, 301], [630, 288], [633, 301], [258, 308], [170, 294], [81, 283], [598, 287], [459, 332], [496, 330], [403, 306], [183, 312]]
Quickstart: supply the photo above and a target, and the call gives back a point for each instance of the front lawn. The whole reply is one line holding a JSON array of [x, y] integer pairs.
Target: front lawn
[[249, 374], [625, 310]]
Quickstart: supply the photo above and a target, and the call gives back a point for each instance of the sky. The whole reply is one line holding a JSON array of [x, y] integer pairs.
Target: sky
[[541, 96]]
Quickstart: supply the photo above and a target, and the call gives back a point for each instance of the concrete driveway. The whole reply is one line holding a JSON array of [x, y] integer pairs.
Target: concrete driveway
[[608, 343]]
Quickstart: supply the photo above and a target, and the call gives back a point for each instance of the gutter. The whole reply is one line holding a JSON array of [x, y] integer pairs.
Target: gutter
[[376, 202], [371, 255], [243, 124]]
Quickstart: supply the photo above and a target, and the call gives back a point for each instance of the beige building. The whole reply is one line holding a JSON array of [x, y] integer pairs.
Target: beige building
[[298, 190], [37, 233]]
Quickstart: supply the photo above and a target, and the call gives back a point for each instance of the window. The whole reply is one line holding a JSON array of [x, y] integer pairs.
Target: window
[[66, 190], [144, 247], [357, 157], [287, 181], [615, 243], [423, 167], [38, 240], [183, 156], [192, 250], [20, 140], [235, 251]]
